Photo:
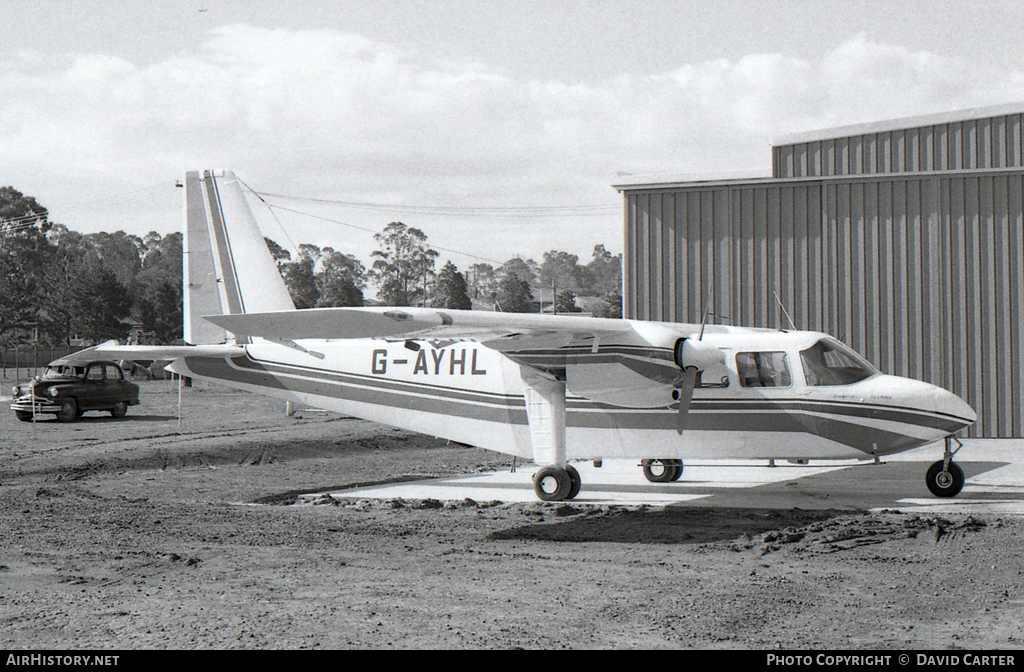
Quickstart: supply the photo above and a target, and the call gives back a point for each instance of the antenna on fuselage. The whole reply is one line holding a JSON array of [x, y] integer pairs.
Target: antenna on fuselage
[[784, 311], [704, 316]]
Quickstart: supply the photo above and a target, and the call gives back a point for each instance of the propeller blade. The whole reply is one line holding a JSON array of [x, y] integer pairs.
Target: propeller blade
[[689, 381]]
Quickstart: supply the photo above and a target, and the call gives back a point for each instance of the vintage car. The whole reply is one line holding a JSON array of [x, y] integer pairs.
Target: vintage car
[[69, 391]]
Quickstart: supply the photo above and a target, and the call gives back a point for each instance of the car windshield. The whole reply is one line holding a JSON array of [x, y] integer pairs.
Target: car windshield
[[829, 362], [64, 372]]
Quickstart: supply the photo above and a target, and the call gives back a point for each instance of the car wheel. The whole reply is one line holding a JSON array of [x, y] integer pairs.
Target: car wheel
[[119, 410], [68, 410], [24, 416]]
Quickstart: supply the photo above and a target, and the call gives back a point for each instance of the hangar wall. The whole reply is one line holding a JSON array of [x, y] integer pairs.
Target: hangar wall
[[921, 271], [967, 140]]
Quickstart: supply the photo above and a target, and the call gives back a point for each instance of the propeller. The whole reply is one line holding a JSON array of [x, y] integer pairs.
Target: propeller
[[692, 356], [686, 381]]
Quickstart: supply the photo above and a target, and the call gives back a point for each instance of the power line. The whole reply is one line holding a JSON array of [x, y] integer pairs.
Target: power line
[[16, 224], [375, 232], [464, 211]]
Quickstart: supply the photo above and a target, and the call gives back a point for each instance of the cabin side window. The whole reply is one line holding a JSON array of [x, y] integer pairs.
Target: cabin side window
[[763, 369], [828, 362]]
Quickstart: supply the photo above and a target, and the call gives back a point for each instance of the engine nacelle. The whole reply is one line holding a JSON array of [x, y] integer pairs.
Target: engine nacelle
[[689, 352]]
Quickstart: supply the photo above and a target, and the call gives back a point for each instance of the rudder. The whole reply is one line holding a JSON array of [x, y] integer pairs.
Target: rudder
[[220, 230]]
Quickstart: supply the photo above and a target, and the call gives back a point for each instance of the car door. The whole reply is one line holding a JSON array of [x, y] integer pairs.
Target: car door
[[116, 384], [95, 388]]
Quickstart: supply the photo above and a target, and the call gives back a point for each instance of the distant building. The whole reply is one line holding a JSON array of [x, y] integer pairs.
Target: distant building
[[903, 238]]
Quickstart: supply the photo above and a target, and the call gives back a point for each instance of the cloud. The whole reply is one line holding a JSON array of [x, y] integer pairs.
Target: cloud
[[320, 112]]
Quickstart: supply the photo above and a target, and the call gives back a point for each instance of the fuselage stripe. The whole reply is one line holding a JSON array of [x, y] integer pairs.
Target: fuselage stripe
[[844, 423]]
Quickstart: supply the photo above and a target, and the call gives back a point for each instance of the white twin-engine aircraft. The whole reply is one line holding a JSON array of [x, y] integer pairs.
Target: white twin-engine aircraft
[[547, 388]]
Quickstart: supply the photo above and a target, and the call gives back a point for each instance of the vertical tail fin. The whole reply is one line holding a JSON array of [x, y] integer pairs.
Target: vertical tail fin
[[227, 266]]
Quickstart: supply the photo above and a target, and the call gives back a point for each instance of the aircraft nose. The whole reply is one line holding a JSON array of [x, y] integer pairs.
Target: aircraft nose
[[959, 410], [950, 412]]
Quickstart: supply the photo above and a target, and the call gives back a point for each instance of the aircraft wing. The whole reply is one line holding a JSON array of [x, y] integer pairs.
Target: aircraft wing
[[389, 322]]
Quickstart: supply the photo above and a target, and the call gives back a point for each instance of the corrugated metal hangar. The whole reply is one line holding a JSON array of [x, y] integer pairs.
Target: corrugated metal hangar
[[905, 239]]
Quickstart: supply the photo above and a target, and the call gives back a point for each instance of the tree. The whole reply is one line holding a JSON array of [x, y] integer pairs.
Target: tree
[[105, 305], [23, 252], [156, 292], [340, 280], [402, 266], [605, 271], [279, 254], [19, 213], [524, 270], [482, 281], [450, 290], [514, 295], [323, 278], [610, 305], [61, 302], [300, 279], [563, 270], [159, 310], [565, 302], [117, 252]]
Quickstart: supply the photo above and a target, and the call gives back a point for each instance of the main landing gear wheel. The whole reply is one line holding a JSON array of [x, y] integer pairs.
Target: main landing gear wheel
[[662, 470], [945, 482], [577, 482], [554, 484]]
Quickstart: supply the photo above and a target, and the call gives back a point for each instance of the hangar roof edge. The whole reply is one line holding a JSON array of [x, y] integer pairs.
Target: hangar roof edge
[[902, 123], [629, 181], [664, 181]]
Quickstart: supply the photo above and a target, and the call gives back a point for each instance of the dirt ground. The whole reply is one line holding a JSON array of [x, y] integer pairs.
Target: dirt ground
[[148, 533]]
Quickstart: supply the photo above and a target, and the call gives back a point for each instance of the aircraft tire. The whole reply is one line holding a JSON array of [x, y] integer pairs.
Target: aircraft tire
[[577, 482], [552, 484], [662, 470], [943, 483]]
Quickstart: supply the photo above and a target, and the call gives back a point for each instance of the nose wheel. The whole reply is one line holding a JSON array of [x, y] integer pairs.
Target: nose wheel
[[945, 481], [945, 478]]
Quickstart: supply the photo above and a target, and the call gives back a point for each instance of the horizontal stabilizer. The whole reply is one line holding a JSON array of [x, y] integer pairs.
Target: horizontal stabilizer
[[112, 350]]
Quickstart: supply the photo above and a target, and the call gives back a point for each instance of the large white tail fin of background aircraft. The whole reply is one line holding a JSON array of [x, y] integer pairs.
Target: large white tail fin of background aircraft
[[220, 235]]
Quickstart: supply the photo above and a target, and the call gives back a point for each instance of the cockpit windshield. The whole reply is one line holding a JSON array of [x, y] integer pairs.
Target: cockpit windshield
[[829, 362]]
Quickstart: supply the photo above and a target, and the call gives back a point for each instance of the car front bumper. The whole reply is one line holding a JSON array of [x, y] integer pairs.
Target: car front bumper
[[41, 404]]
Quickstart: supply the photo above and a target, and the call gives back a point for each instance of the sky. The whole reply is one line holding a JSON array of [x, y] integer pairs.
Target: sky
[[495, 127]]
